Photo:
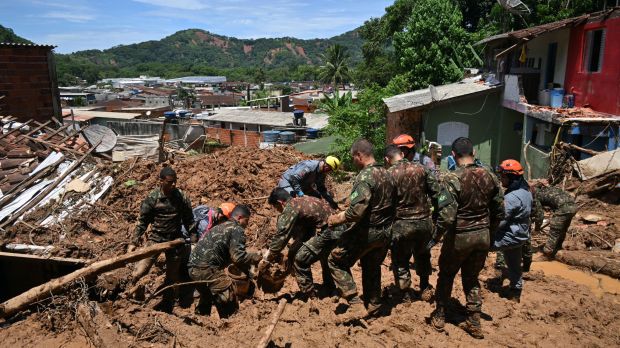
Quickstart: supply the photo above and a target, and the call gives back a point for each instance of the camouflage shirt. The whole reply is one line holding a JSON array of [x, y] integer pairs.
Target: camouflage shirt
[[299, 214], [372, 201], [471, 199], [166, 215], [225, 244], [414, 184], [552, 197]]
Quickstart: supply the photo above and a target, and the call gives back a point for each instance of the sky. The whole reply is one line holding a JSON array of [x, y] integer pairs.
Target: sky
[[75, 25]]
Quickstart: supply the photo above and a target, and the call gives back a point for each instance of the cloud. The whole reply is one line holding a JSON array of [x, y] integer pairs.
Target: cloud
[[178, 4], [69, 16], [106, 37]]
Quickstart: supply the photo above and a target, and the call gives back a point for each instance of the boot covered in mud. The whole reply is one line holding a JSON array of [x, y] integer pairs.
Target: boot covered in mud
[[514, 295], [438, 318], [427, 293], [472, 326], [356, 311]]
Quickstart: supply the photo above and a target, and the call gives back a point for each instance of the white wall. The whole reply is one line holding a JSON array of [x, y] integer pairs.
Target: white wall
[[539, 47]]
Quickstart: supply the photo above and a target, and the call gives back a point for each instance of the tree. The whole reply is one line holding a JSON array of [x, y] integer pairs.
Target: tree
[[433, 48], [332, 104], [336, 68]]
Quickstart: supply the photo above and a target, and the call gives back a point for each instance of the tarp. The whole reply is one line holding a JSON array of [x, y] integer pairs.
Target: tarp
[[598, 165]]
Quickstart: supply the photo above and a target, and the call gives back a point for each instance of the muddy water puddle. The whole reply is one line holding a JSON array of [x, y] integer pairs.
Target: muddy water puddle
[[598, 283]]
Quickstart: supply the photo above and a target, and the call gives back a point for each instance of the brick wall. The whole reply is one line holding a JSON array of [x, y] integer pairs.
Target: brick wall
[[406, 121], [28, 83], [235, 137]]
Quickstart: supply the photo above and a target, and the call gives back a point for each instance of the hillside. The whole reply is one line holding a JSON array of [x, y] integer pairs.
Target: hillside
[[195, 51], [7, 35]]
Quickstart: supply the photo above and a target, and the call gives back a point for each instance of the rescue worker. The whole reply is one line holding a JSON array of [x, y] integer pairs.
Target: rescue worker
[[371, 213], [303, 219], [563, 208], [514, 230], [206, 218], [407, 144], [470, 207], [415, 189], [166, 209], [223, 246], [308, 178]]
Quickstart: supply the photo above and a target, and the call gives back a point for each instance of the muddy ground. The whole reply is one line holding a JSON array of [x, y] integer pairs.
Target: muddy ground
[[554, 311]]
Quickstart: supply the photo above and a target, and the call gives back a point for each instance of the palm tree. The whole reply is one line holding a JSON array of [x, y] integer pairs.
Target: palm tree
[[336, 68]]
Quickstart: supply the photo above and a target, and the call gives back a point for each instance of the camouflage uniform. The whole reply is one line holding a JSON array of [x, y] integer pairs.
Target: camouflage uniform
[[563, 206], [471, 206], [300, 220], [306, 178], [222, 246], [371, 212], [166, 215], [412, 228]]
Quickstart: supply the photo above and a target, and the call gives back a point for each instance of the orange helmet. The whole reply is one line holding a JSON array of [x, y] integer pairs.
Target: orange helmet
[[510, 166], [227, 209], [404, 140]]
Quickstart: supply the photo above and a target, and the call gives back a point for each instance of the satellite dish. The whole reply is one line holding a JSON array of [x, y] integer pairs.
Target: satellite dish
[[515, 6], [100, 134], [148, 113], [434, 94]]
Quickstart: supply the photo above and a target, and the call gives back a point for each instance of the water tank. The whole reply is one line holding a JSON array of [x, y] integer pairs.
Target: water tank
[[312, 133], [170, 114], [298, 113], [287, 137], [271, 136]]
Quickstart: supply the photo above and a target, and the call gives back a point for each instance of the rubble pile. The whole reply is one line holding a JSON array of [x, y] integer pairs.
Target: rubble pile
[[240, 175]]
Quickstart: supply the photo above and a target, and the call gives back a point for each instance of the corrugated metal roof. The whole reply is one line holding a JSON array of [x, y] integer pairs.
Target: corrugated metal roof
[[422, 97], [530, 33], [265, 118], [101, 114], [16, 44]]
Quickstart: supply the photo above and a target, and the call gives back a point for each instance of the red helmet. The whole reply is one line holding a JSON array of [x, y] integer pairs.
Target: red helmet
[[404, 140], [510, 166]]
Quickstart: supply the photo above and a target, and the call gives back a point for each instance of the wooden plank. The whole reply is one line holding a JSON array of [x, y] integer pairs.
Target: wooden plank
[[43, 258]]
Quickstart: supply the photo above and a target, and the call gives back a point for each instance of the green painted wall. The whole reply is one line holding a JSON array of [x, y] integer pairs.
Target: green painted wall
[[491, 126]]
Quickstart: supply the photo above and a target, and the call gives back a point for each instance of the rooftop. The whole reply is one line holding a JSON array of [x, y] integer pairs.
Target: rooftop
[[265, 118], [16, 44], [83, 115], [424, 97], [199, 79], [561, 115], [530, 33]]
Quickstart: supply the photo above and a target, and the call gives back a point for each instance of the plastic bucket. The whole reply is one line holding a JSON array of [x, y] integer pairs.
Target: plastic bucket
[[240, 280], [543, 97], [557, 94]]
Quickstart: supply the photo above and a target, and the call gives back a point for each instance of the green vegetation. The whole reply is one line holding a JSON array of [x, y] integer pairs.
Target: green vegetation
[[7, 35], [336, 66]]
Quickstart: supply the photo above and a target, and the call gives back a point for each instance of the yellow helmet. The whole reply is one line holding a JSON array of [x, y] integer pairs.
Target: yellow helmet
[[333, 162]]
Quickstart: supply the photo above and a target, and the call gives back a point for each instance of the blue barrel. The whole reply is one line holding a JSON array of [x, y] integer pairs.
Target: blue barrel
[[312, 133], [287, 137], [271, 136], [557, 94]]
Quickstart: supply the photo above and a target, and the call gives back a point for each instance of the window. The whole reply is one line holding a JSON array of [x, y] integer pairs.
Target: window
[[595, 46], [447, 132]]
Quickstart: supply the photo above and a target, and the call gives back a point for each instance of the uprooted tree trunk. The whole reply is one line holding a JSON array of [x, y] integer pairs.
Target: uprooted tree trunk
[[41, 292], [603, 262]]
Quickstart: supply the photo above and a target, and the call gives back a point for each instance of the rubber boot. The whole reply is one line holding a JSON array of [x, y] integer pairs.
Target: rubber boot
[[472, 326], [527, 263], [356, 311], [514, 295], [438, 318], [426, 289]]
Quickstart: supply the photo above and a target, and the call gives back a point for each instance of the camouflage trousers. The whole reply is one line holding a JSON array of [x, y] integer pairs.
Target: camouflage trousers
[[410, 237], [560, 221], [466, 252], [369, 245], [527, 253], [176, 272], [219, 290], [315, 249]]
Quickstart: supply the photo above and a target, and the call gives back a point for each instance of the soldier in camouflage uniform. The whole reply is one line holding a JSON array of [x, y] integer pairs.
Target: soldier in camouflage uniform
[[415, 188], [371, 213], [166, 209], [304, 220], [563, 209], [470, 208], [222, 246]]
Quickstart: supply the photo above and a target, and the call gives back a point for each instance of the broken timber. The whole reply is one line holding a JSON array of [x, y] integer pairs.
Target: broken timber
[[98, 328], [43, 291], [272, 325]]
